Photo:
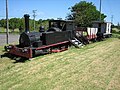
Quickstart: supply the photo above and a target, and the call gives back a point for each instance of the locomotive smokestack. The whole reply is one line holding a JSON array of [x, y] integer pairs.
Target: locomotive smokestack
[[26, 16]]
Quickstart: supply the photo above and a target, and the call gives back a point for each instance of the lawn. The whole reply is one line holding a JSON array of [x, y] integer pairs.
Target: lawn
[[3, 30], [93, 67]]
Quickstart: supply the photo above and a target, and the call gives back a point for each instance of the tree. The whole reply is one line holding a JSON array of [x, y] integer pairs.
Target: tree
[[3, 23], [15, 23], [84, 13]]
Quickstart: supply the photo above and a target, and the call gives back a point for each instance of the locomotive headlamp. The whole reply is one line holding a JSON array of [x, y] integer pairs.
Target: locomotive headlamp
[[7, 48]]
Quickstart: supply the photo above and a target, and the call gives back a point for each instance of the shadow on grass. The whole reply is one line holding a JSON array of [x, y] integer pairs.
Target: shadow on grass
[[116, 36], [19, 59], [13, 57]]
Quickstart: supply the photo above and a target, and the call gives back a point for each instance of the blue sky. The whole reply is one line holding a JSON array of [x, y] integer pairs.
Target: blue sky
[[56, 8]]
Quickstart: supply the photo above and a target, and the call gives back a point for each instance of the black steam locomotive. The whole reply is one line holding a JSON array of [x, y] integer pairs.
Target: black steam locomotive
[[55, 39]]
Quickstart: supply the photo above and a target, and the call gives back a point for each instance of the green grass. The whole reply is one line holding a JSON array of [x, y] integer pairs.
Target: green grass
[[93, 67], [116, 29], [2, 29]]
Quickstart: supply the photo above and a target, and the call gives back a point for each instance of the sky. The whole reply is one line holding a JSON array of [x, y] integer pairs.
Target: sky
[[47, 9]]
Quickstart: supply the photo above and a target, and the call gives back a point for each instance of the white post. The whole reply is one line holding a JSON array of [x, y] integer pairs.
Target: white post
[[100, 10], [7, 23]]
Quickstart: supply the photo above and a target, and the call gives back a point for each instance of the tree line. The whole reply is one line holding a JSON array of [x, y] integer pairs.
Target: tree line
[[18, 23]]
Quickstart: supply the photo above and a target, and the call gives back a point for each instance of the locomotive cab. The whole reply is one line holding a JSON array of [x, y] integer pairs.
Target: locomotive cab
[[63, 25]]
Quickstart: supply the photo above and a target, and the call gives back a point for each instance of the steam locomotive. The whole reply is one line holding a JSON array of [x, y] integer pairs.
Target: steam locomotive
[[60, 35], [34, 43]]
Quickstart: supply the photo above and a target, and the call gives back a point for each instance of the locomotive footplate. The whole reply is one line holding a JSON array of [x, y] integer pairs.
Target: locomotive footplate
[[28, 52], [53, 48]]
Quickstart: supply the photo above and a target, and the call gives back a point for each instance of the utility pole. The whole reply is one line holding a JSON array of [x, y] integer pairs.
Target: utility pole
[[100, 9], [112, 19], [7, 23], [34, 15]]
